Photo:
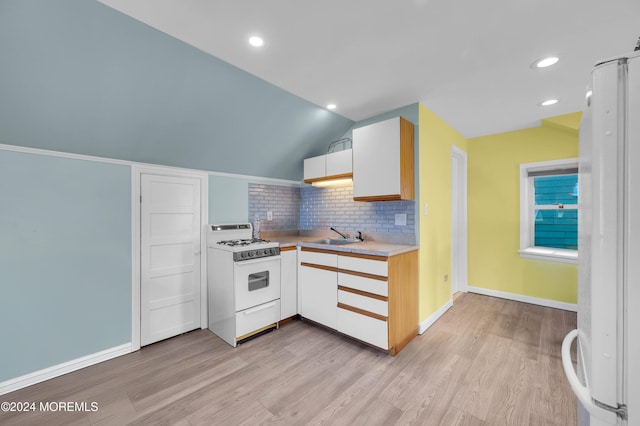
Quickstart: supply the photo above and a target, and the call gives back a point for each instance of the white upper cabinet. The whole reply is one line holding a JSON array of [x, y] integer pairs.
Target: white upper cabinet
[[330, 166], [315, 168], [340, 163], [383, 168]]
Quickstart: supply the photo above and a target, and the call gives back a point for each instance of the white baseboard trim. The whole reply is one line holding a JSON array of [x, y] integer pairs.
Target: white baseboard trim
[[64, 368], [424, 325], [526, 299]]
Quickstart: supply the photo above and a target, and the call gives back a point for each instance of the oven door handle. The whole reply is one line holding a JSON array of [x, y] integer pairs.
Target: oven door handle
[[259, 308], [258, 260]]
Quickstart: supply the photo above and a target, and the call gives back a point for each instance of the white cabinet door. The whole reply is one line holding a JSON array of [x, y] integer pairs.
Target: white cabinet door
[[315, 167], [339, 163], [383, 161], [318, 295], [289, 284], [170, 256], [376, 159]]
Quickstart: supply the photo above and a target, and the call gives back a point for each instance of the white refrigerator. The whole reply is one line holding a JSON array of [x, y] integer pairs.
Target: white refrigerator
[[607, 378]]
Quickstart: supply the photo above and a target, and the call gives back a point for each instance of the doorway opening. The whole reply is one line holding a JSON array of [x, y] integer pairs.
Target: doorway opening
[[458, 221]]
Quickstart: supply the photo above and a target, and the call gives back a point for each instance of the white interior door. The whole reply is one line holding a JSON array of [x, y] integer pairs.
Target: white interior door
[[170, 256], [458, 220]]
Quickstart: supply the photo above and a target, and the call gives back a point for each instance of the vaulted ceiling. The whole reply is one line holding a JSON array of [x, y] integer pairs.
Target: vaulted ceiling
[[468, 61]]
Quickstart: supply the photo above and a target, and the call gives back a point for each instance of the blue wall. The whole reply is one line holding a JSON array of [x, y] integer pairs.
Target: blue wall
[[78, 76], [228, 199], [65, 260], [409, 112]]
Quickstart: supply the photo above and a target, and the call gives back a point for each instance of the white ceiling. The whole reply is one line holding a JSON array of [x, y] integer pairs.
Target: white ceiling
[[468, 61]]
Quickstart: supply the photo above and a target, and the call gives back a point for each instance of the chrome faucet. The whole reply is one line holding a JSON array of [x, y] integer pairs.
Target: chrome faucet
[[338, 232], [359, 237]]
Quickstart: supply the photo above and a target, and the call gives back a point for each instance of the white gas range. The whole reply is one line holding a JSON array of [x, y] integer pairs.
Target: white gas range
[[243, 282]]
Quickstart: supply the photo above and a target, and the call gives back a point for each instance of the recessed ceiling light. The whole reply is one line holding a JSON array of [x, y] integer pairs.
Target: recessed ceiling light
[[548, 102], [256, 41], [331, 106], [544, 62]]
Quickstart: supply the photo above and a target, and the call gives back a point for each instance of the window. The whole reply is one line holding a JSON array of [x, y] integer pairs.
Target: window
[[549, 210]]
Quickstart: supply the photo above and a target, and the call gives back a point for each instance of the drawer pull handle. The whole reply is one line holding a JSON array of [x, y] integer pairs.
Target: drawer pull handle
[[362, 312], [363, 293], [259, 308]]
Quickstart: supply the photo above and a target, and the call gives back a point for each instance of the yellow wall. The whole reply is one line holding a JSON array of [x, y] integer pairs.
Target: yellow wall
[[435, 138], [494, 212]]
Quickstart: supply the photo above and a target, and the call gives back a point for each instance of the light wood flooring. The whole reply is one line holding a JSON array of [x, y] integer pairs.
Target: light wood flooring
[[487, 361]]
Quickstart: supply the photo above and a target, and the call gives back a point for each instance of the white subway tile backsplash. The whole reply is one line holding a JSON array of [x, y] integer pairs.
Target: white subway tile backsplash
[[311, 208]]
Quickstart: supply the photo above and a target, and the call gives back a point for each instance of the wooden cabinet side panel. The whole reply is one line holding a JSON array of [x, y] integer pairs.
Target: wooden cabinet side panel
[[406, 160], [403, 299]]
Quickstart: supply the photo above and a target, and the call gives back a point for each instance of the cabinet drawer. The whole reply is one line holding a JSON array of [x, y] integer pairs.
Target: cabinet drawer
[[364, 284], [367, 266], [317, 258], [376, 306], [363, 328], [255, 318]]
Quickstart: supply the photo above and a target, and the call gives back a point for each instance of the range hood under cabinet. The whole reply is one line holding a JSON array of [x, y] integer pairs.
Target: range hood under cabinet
[[334, 167]]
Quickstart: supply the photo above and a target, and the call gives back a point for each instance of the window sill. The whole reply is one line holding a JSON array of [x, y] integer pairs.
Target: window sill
[[550, 254]]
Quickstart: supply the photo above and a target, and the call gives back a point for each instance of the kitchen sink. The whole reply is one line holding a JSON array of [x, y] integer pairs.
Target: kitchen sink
[[333, 242]]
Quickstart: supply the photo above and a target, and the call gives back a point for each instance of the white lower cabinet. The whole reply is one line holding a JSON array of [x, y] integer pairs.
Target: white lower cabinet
[[288, 283], [362, 327], [371, 298], [363, 307], [318, 287]]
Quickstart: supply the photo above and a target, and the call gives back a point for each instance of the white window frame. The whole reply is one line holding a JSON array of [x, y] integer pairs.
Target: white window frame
[[527, 226]]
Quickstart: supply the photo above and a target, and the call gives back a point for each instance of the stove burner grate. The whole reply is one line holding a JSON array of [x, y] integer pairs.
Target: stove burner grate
[[242, 242]]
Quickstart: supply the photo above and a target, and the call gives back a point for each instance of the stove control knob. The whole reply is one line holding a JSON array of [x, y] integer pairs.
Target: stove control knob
[[250, 254], [243, 254]]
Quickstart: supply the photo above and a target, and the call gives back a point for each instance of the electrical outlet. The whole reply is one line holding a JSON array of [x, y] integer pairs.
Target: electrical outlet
[[269, 216], [401, 219], [426, 209], [446, 277]]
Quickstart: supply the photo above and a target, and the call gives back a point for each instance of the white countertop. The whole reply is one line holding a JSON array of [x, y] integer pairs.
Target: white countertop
[[374, 248]]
